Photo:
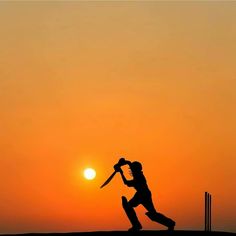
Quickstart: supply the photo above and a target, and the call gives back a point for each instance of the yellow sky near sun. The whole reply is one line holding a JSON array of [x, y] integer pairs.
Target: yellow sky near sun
[[82, 83]]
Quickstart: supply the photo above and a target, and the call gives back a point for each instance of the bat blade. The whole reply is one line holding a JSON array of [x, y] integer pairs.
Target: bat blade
[[109, 179]]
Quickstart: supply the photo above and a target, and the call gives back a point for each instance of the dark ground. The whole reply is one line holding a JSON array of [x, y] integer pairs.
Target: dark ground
[[125, 233]]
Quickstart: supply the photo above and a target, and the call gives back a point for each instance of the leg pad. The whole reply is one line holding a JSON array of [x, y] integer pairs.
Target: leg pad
[[129, 210]]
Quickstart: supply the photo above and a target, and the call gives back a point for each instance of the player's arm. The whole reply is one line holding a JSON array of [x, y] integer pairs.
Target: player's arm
[[129, 183], [117, 168]]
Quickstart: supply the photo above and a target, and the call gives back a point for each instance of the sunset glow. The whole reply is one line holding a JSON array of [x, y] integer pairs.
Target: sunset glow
[[83, 83]]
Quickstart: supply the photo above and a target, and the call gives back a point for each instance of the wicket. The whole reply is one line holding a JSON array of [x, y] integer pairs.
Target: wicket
[[208, 203]]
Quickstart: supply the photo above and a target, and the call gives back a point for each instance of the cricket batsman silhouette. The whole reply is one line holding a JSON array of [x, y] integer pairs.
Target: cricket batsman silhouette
[[142, 196]]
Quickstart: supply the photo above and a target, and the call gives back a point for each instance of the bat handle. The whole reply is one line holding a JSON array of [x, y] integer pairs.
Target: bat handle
[[117, 167]]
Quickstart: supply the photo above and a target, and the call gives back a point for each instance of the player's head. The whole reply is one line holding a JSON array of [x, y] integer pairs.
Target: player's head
[[136, 167]]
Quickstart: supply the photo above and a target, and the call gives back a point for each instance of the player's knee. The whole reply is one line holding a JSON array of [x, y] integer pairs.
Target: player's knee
[[152, 215]]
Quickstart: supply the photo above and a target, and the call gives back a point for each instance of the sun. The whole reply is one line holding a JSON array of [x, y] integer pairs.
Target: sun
[[89, 173]]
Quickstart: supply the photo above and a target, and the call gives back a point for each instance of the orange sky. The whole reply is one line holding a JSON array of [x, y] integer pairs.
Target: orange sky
[[83, 83]]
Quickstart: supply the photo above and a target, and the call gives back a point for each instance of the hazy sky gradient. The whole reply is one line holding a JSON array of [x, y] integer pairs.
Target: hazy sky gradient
[[82, 83]]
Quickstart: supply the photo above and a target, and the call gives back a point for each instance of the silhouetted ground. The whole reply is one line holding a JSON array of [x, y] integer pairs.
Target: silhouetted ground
[[126, 233]]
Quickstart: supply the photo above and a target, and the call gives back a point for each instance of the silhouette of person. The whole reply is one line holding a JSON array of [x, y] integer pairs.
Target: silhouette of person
[[142, 196]]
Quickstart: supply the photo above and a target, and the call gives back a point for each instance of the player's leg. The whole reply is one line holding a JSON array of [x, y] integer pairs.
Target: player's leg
[[156, 216], [130, 212], [160, 218]]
